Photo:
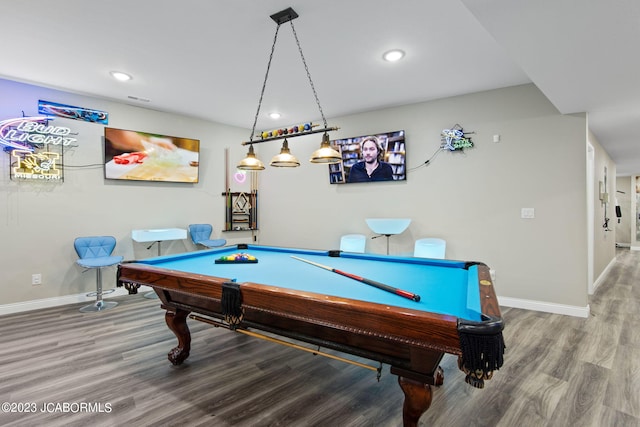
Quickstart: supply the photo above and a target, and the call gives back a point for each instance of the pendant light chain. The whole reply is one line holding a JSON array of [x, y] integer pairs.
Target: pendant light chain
[[264, 84], [308, 75]]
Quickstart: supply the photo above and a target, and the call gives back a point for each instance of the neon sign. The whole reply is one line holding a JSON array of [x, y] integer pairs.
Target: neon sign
[[71, 112], [26, 133], [37, 166], [240, 177], [455, 139]]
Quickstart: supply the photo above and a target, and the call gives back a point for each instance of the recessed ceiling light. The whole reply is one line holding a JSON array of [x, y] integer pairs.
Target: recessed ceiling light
[[119, 75], [393, 55], [274, 115]]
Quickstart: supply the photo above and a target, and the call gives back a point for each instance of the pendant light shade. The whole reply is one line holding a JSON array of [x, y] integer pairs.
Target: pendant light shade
[[285, 159], [251, 162], [325, 154]]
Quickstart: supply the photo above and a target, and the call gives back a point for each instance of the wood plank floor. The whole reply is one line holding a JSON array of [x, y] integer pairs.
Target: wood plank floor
[[559, 371]]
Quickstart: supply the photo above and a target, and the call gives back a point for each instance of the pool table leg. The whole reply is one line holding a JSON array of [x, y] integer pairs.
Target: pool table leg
[[417, 395], [177, 322], [417, 399]]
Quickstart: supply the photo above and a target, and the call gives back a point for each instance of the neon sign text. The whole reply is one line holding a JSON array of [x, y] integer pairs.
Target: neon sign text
[[21, 133], [41, 166]]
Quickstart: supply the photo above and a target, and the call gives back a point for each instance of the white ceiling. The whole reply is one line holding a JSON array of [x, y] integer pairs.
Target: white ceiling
[[208, 58]]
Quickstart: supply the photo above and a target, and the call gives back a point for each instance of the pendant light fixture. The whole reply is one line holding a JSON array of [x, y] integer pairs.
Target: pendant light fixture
[[251, 162], [285, 159], [325, 155]]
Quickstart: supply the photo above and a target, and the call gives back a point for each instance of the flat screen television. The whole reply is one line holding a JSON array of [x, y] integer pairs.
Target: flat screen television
[[141, 156], [370, 158]]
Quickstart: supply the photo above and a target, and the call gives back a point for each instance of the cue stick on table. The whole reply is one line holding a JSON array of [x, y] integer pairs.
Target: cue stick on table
[[378, 285]]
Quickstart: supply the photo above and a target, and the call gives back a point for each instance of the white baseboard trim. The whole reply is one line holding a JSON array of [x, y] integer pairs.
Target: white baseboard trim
[[602, 276], [20, 307], [634, 248], [547, 307]]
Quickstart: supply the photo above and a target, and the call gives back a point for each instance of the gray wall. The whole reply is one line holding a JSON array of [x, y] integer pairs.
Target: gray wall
[[625, 193], [634, 194], [472, 199], [604, 237]]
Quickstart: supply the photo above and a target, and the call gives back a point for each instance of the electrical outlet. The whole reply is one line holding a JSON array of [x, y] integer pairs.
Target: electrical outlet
[[36, 279]]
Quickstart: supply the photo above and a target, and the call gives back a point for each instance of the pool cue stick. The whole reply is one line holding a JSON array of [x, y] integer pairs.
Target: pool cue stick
[[285, 343], [378, 285], [229, 210], [308, 350], [226, 168], [227, 189], [254, 206], [254, 201]]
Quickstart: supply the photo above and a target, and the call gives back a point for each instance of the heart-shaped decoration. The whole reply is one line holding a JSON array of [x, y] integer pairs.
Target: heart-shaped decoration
[[240, 177]]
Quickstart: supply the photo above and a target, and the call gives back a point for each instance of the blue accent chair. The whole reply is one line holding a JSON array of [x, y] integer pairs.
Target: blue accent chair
[[201, 235], [95, 253], [430, 247], [353, 243]]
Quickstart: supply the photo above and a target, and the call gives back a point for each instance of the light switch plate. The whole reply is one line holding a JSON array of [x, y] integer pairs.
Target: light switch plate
[[528, 213]]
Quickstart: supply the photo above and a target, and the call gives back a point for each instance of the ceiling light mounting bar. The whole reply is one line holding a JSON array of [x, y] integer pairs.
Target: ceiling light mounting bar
[[291, 135], [284, 16]]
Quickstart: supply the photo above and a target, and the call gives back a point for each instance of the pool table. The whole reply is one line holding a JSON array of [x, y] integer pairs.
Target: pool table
[[443, 306]]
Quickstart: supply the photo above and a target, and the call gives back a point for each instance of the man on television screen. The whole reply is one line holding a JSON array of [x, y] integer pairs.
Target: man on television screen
[[371, 168]]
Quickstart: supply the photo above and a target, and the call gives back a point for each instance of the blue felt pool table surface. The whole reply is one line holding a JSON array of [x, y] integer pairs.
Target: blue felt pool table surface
[[445, 287]]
